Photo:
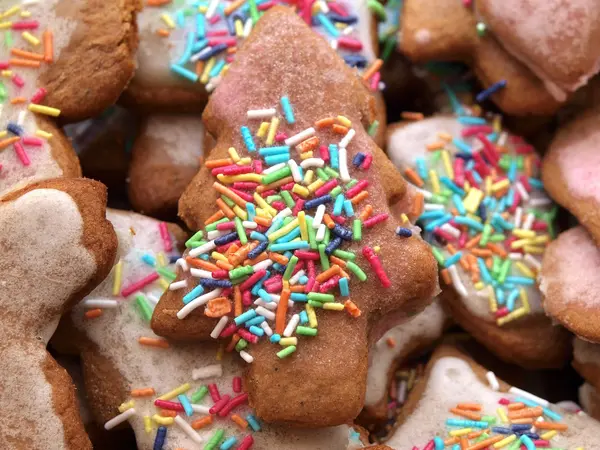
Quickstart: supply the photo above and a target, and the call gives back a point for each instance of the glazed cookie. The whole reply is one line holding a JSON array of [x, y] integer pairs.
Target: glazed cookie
[[56, 247], [166, 157], [463, 404], [42, 46], [569, 170], [586, 361], [300, 246], [488, 220], [447, 30], [173, 395], [393, 349]]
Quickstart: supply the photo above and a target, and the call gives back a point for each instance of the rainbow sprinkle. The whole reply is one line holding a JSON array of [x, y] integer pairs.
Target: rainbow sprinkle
[[275, 246], [485, 213]]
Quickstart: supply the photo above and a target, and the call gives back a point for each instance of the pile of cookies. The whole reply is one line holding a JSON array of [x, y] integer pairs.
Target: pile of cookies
[[316, 225]]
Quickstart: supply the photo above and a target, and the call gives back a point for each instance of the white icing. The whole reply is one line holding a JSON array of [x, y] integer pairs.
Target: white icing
[[42, 263], [585, 352], [13, 174], [452, 381], [182, 138], [116, 332], [426, 326]]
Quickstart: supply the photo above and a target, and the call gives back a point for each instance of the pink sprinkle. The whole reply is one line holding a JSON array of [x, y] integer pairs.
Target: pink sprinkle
[[306, 11], [226, 292], [164, 234], [243, 194], [504, 401], [310, 268], [501, 312], [372, 221], [310, 284], [18, 81], [219, 404], [525, 182], [245, 185], [459, 171], [140, 284], [230, 42], [229, 330], [376, 265], [265, 6], [329, 284], [245, 334], [338, 9], [21, 154], [429, 446], [229, 59], [541, 443], [324, 152], [476, 129], [4, 65], [257, 164], [247, 298], [338, 219], [223, 226], [165, 404], [305, 254], [316, 286], [25, 25], [217, 33], [247, 443], [350, 43], [462, 240], [279, 206], [214, 392], [220, 274], [267, 193], [214, 19], [232, 169], [539, 226], [33, 141], [223, 248], [287, 187], [524, 149], [233, 403], [515, 203], [472, 181], [280, 137], [375, 78], [328, 187], [354, 190], [252, 280], [237, 384], [367, 162], [467, 3], [443, 234], [39, 95], [299, 206], [275, 279]]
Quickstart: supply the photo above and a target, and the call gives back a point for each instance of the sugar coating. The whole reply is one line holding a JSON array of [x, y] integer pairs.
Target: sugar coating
[[116, 332], [585, 352], [452, 381], [55, 16], [180, 138], [42, 263], [556, 39], [426, 326]]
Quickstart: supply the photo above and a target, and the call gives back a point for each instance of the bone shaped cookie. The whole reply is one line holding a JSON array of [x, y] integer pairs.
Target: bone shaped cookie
[[474, 190], [56, 246], [150, 383], [404, 263], [52, 52], [446, 30]]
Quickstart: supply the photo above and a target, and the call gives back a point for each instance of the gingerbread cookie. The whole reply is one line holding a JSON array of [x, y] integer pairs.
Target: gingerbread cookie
[[586, 361], [56, 64], [165, 158], [56, 247], [447, 30], [488, 219], [462, 404], [173, 395], [589, 397], [272, 196]]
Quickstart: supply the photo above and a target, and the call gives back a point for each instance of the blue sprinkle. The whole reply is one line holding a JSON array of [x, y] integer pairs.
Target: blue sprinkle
[[289, 237], [333, 245], [338, 205], [228, 443], [439, 443], [298, 297], [275, 338], [149, 259], [500, 296], [422, 168], [248, 141], [226, 239], [313, 203], [256, 321], [468, 120], [527, 442], [344, 288], [453, 259], [355, 61], [303, 317], [187, 54], [210, 283], [287, 110], [251, 210], [536, 183], [194, 293], [438, 223], [501, 430], [277, 159], [180, 18], [334, 156], [253, 422], [403, 232], [486, 93], [278, 150], [471, 223], [260, 282], [14, 128], [275, 225], [216, 70], [466, 423], [200, 45], [200, 26], [510, 300], [257, 331], [290, 246], [462, 145], [183, 72], [520, 427], [342, 232], [261, 247], [428, 215], [358, 159], [512, 170], [250, 314], [485, 273], [209, 52], [265, 295], [457, 200], [303, 280], [187, 406], [520, 280], [328, 25], [258, 236], [452, 186], [348, 208], [348, 20], [159, 440]]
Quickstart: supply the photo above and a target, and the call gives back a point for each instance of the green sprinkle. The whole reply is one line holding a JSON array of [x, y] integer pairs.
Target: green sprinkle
[[315, 304], [319, 297], [388, 48], [274, 198], [240, 230], [290, 268], [214, 440], [435, 157], [489, 419], [437, 198], [324, 257], [241, 272], [346, 256], [497, 263], [481, 29], [485, 235], [199, 394], [228, 201], [373, 128], [241, 345], [377, 9], [504, 271], [213, 226], [287, 351], [144, 307], [357, 230], [356, 271], [166, 273], [437, 254], [327, 237], [287, 198], [277, 175], [497, 237], [351, 183], [331, 172], [253, 11], [196, 237], [239, 280], [322, 174], [197, 243], [335, 191], [306, 331], [8, 39], [312, 238], [482, 437]]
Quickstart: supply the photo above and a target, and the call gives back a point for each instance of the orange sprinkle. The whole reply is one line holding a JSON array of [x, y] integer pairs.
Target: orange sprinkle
[[486, 443], [218, 307], [233, 6], [278, 258], [476, 434], [340, 262], [201, 264], [239, 421], [464, 443], [327, 122], [163, 32], [157, 2], [238, 308], [339, 129], [214, 163], [18, 100], [410, 115], [497, 249], [238, 257], [281, 313], [328, 221], [327, 274], [473, 242], [8, 141], [201, 422], [391, 343], [342, 273], [527, 165], [522, 421], [464, 263], [416, 209], [414, 177], [551, 426], [224, 265], [230, 194], [231, 50], [27, 55], [216, 216], [48, 39], [225, 208], [232, 249], [359, 197], [267, 187], [234, 340], [515, 406], [372, 69], [24, 63], [452, 441], [526, 412], [262, 221], [451, 249], [262, 257], [93, 313], [446, 277], [436, 146], [469, 406], [297, 288], [143, 392], [308, 145], [366, 213], [481, 252], [199, 68], [168, 413], [466, 414], [154, 342], [352, 309]]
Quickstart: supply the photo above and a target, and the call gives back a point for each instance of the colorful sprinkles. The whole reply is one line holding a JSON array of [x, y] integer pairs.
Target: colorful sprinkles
[[273, 253], [214, 29], [485, 213]]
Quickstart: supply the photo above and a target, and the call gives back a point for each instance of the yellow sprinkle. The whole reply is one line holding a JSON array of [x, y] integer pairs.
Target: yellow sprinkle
[[224, 71], [504, 442], [239, 28], [521, 233], [435, 182], [447, 164], [524, 299], [472, 200], [175, 392], [344, 121], [548, 435], [309, 176], [502, 415], [161, 258], [127, 405], [7, 73], [219, 355], [283, 230], [244, 161], [497, 123], [524, 269], [333, 306], [315, 185], [43, 134], [230, 179], [30, 38], [461, 432], [272, 130], [516, 314], [167, 20], [163, 420], [500, 185], [302, 223], [312, 316], [404, 218], [3, 133], [533, 249], [262, 130], [479, 285], [163, 283], [488, 185], [445, 136], [544, 239], [117, 279], [202, 9], [306, 155], [519, 243], [467, 186], [10, 11], [25, 14], [44, 110], [233, 153], [264, 205], [240, 212], [218, 256], [262, 213], [377, 249], [492, 300], [300, 190], [147, 424], [5, 25], [207, 68], [288, 341]]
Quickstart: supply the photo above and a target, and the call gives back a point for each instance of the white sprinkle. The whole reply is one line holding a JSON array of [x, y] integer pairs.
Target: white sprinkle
[[450, 229], [426, 194], [211, 371], [297, 138], [263, 265], [219, 327], [347, 139], [458, 284], [502, 139], [249, 225], [296, 277], [21, 118], [201, 409], [271, 305], [212, 8], [518, 217], [215, 234], [105, 304], [275, 298], [540, 201], [402, 388], [433, 206], [334, 44], [178, 285], [286, 212], [213, 83], [323, 7], [522, 191], [183, 264], [200, 273], [320, 233], [262, 311], [187, 429], [153, 299], [319, 216], [274, 168], [533, 262], [312, 162], [295, 172], [246, 356], [491, 377], [528, 221], [529, 396], [515, 256], [348, 31], [265, 326], [344, 175], [204, 248], [247, 28], [261, 113], [203, 299], [117, 420], [200, 54], [291, 326]]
